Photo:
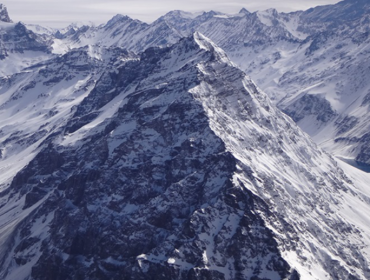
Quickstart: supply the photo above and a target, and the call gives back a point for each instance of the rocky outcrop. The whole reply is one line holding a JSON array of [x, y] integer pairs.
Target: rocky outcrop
[[4, 16]]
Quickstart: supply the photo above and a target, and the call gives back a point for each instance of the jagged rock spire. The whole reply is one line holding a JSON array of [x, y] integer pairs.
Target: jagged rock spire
[[4, 16]]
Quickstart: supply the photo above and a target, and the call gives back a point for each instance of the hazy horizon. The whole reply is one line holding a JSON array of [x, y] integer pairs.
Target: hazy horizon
[[53, 13]]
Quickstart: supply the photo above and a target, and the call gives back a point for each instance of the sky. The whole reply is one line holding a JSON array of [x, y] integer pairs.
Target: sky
[[56, 13]]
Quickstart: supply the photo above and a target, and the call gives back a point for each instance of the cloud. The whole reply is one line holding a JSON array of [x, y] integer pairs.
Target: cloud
[[61, 13]]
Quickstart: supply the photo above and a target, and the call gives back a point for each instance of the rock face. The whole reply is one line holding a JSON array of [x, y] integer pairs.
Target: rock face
[[4, 16], [167, 165], [18, 39], [19, 46]]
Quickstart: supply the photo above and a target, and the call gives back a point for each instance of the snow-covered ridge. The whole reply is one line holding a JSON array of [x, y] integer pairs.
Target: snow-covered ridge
[[297, 199], [208, 45]]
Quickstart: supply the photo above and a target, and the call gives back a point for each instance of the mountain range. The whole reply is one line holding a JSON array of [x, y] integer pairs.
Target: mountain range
[[312, 64], [146, 151]]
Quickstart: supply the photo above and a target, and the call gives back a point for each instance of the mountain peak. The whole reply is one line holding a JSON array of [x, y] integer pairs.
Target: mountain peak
[[181, 14], [271, 11], [4, 16], [244, 11], [117, 18], [206, 44]]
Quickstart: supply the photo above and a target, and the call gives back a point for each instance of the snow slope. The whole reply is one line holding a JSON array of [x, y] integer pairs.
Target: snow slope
[[170, 164]]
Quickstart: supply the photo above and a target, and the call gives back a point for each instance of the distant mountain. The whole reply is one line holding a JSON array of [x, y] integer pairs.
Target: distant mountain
[[41, 30], [4, 16], [19, 46], [16, 38], [354, 13], [121, 31]]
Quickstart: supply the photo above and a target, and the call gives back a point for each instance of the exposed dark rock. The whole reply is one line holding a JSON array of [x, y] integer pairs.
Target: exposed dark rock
[[4, 16], [346, 124], [313, 105]]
